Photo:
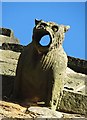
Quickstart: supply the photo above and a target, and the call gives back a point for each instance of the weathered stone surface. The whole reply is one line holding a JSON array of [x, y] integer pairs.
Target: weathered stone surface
[[13, 47], [7, 86], [7, 36], [73, 103], [75, 82], [77, 64], [11, 111], [74, 95], [5, 32], [8, 62]]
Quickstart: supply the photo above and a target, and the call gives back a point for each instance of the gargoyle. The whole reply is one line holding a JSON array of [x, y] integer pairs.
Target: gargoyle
[[41, 69]]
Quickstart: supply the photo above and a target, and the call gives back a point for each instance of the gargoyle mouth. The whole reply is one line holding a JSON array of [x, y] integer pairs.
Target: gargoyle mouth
[[38, 34]]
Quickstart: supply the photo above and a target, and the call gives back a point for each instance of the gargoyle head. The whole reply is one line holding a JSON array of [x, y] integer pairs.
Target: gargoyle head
[[56, 34]]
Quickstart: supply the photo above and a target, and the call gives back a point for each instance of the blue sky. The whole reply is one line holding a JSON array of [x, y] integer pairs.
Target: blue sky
[[20, 16]]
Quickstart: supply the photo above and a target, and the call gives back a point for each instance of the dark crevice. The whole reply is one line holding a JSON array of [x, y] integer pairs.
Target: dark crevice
[[5, 32]]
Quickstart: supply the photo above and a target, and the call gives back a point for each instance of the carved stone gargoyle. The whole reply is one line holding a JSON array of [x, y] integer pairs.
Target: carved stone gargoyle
[[41, 69]]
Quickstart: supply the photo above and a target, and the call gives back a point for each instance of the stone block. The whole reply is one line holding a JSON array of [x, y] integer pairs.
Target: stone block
[[73, 103]]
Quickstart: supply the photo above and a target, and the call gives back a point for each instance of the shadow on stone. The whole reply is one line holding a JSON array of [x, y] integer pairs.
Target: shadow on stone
[[5, 32], [7, 86], [78, 65]]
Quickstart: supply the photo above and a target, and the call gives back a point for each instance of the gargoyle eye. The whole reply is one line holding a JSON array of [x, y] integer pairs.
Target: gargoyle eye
[[55, 28]]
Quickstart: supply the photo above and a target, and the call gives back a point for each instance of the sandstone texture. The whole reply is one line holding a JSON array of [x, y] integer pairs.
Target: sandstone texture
[[74, 100], [8, 62], [11, 111], [7, 36]]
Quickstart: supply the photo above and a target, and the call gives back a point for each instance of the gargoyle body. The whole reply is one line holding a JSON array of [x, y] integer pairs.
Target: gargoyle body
[[41, 69]]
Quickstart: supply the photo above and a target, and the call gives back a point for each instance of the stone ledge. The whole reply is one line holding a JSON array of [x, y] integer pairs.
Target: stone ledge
[[76, 82], [7, 35], [73, 103], [12, 46], [12, 111], [77, 65], [8, 62]]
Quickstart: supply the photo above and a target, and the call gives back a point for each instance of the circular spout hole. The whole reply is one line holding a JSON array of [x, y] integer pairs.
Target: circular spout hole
[[45, 41]]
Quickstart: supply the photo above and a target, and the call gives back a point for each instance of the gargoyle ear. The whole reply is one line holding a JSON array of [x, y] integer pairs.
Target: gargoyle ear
[[37, 21], [66, 28]]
